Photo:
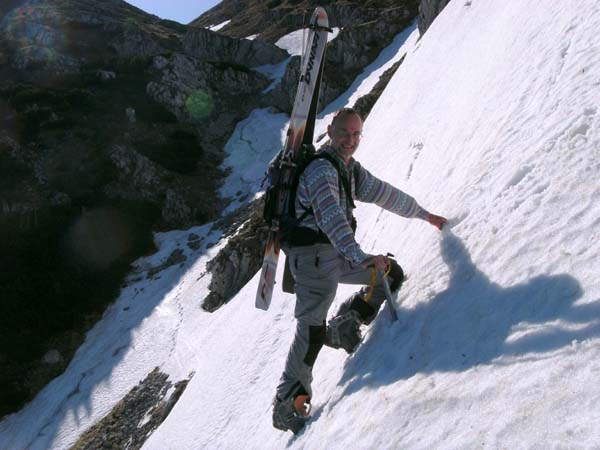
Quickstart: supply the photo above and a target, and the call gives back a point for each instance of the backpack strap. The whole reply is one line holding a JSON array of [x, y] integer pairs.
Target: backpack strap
[[356, 175]]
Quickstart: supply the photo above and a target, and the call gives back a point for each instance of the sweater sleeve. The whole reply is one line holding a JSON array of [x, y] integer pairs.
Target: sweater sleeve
[[323, 189], [371, 189]]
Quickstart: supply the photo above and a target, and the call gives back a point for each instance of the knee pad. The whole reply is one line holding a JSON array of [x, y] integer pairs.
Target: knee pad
[[316, 339]]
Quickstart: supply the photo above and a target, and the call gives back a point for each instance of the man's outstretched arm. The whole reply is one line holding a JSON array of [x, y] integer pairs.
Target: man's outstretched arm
[[371, 189]]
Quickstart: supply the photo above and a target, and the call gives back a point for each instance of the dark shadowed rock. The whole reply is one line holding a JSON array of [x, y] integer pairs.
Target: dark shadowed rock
[[364, 104], [59, 36], [365, 33], [241, 258], [428, 11], [206, 44]]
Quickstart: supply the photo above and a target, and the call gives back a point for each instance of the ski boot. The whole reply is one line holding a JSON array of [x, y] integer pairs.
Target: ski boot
[[291, 414]]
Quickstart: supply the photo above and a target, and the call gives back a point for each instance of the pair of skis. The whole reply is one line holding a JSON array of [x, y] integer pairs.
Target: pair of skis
[[300, 132]]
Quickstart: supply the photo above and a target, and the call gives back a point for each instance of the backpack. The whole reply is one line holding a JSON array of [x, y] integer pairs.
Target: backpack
[[289, 227]]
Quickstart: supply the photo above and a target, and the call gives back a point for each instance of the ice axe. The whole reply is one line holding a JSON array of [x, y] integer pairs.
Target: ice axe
[[388, 295]]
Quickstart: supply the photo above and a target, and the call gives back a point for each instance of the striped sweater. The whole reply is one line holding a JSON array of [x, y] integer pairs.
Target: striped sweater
[[318, 189]]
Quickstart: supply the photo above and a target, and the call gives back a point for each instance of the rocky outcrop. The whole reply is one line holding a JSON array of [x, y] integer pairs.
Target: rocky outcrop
[[356, 46], [141, 179], [59, 36], [208, 45], [365, 103], [196, 90], [240, 259], [273, 19], [428, 11], [136, 416]]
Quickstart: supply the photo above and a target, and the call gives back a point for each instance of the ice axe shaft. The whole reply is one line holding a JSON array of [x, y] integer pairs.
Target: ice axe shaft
[[388, 295]]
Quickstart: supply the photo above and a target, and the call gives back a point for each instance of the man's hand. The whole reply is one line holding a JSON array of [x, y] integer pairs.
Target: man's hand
[[379, 261], [437, 221]]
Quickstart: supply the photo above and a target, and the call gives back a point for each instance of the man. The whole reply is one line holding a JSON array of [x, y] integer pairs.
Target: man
[[323, 252]]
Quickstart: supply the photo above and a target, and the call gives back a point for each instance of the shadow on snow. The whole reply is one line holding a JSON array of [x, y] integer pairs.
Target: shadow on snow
[[469, 324], [69, 396]]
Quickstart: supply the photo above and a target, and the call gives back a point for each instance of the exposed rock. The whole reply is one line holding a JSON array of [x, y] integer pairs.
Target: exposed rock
[[175, 208], [106, 75], [356, 46], [59, 36], [240, 259], [133, 420], [209, 45], [139, 177], [194, 241], [202, 91], [271, 20], [428, 11], [130, 113], [364, 104]]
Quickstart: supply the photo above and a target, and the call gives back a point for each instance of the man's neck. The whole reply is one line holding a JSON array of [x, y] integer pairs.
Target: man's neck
[[345, 159]]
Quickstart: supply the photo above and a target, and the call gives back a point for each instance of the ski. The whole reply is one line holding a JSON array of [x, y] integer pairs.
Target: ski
[[300, 132]]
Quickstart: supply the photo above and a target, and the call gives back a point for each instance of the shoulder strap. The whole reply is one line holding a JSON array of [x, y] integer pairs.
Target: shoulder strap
[[356, 173]]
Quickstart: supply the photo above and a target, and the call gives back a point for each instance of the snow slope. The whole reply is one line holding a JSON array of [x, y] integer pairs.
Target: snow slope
[[493, 121]]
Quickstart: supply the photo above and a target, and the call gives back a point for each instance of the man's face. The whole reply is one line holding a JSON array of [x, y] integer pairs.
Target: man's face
[[345, 135]]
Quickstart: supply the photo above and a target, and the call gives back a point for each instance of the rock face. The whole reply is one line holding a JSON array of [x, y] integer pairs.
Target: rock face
[[208, 45], [239, 261], [365, 32], [59, 36], [204, 92], [136, 416], [428, 11], [364, 104], [272, 19]]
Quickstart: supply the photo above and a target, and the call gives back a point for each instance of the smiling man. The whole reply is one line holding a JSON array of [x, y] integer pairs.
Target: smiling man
[[323, 252]]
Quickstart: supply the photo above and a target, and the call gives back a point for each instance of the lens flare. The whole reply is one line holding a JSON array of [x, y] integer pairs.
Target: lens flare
[[36, 30], [99, 237], [199, 104]]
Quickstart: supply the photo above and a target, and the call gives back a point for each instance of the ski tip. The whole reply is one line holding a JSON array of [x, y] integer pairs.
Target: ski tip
[[319, 19]]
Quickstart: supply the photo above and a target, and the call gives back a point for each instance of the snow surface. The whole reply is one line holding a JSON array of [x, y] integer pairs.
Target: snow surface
[[218, 26], [492, 120], [293, 42], [253, 144], [273, 71]]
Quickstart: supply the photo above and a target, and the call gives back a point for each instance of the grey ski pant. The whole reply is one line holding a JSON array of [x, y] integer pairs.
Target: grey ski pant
[[317, 270]]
